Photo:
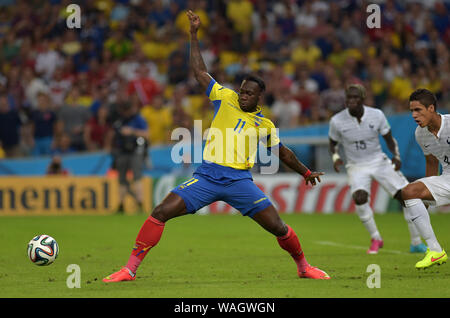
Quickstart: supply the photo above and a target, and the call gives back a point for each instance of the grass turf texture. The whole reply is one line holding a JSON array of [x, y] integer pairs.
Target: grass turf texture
[[219, 256]]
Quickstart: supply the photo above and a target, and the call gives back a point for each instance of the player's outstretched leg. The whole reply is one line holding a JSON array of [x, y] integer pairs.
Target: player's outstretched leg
[[148, 236], [288, 240]]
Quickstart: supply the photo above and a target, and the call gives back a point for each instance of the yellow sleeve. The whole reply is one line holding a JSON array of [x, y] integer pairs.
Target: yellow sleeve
[[269, 135], [215, 91]]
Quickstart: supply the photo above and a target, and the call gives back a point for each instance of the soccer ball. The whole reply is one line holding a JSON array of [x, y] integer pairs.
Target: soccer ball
[[43, 250]]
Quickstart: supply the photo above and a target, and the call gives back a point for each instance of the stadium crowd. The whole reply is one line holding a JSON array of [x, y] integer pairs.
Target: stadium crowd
[[59, 86]]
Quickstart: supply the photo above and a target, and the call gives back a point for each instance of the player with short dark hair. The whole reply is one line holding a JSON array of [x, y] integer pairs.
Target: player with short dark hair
[[433, 136], [225, 172]]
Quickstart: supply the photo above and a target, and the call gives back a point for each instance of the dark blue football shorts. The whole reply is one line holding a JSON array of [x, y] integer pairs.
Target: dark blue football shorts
[[242, 194]]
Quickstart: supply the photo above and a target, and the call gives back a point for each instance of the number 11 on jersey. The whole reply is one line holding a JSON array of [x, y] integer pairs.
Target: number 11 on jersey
[[240, 122]]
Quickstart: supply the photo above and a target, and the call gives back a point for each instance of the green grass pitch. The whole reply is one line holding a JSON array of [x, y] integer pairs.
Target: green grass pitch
[[219, 256]]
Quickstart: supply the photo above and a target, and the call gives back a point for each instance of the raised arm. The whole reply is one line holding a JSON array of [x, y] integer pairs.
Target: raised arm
[[393, 148], [288, 157], [196, 60]]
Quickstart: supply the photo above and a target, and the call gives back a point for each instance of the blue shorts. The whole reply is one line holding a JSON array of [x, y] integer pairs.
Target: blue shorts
[[242, 194]]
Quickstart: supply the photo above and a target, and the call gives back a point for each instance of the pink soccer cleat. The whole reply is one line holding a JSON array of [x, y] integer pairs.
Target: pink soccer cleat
[[120, 276], [314, 273], [375, 246]]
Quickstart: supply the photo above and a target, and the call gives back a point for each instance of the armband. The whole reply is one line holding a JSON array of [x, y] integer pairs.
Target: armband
[[307, 174]]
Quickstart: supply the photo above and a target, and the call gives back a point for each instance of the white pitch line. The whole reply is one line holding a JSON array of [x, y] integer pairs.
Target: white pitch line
[[357, 247]]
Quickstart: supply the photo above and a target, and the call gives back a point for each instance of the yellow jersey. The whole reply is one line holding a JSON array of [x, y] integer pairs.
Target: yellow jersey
[[234, 135]]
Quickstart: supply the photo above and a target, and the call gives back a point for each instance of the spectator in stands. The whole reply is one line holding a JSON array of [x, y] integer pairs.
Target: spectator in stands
[[10, 48], [160, 15], [304, 79], [71, 120], [348, 34], [62, 144], [118, 45], [178, 68], [144, 86], [306, 51], [377, 84], [56, 168], [285, 110], [43, 120], [240, 12], [70, 45], [10, 124], [276, 47], [306, 17], [441, 18], [15, 89], [263, 22], [159, 120], [58, 87], [332, 100], [179, 105], [32, 85], [221, 32], [47, 60], [96, 129], [338, 54], [101, 96], [81, 92]]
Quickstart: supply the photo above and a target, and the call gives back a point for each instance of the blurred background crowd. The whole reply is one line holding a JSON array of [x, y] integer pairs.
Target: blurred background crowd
[[59, 86]]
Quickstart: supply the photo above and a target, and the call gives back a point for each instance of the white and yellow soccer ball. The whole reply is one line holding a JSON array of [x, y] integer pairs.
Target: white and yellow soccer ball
[[43, 250]]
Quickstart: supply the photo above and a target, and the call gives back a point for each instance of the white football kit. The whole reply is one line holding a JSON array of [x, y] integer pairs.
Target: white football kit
[[438, 146], [365, 158]]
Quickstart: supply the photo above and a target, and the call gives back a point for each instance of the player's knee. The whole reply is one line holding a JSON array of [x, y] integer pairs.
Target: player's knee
[[399, 198], [411, 191], [161, 212], [282, 229], [277, 228], [360, 197]]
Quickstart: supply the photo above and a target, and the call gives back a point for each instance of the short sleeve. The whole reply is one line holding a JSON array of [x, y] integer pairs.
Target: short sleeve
[[384, 124], [333, 132], [215, 91], [269, 135]]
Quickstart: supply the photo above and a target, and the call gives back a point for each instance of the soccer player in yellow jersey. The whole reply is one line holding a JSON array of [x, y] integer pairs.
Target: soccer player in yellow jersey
[[224, 173]]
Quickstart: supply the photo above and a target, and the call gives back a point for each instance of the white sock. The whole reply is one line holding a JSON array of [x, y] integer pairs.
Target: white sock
[[413, 232], [416, 212], [365, 214], [415, 236]]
